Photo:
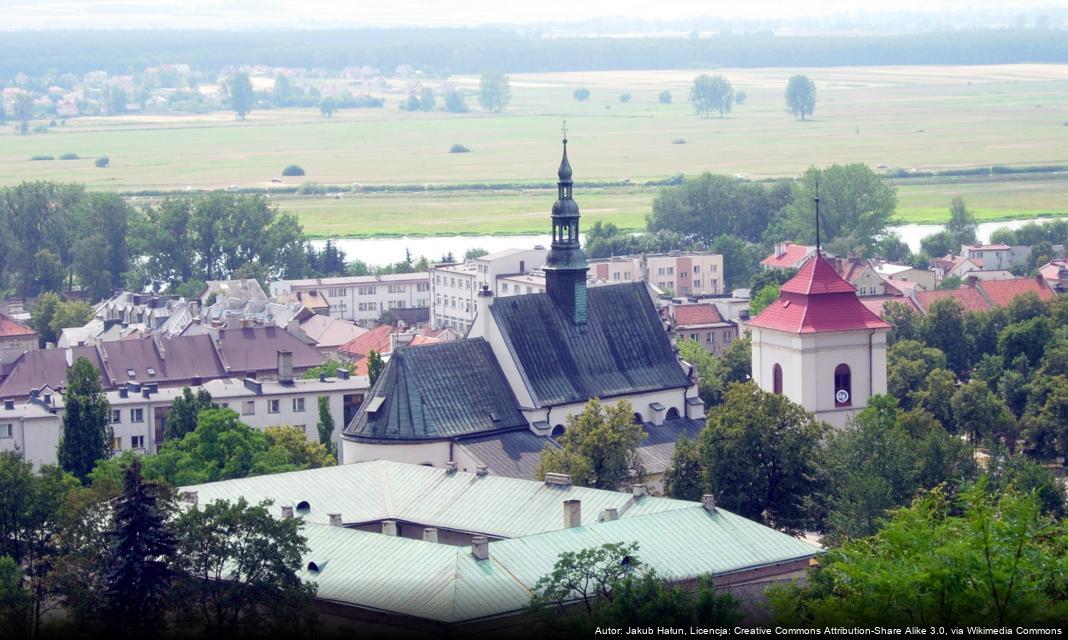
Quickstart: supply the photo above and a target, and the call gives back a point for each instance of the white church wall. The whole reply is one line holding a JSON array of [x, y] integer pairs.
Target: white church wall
[[434, 453]]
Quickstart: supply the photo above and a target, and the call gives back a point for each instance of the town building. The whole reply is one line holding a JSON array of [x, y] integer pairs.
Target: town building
[[139, 410], [788, 255], [1055, 273], [992, 256], [167, 362], [683, 273], [361, 299], [530, 362], [15, 337], [863, 276], [949, 266], [443, 552], [977, 294], [329, 334], [703, 323], [818, 345], [898, 273], [454, 286], [247, 289]]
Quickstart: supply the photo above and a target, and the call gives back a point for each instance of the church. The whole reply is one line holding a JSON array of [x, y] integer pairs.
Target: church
[[494, 400]]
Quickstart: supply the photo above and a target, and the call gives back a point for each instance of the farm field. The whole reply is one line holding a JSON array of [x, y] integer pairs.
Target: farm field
[[925, 118]]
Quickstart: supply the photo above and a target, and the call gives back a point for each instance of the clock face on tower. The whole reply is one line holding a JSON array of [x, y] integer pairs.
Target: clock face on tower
[[841, 396]]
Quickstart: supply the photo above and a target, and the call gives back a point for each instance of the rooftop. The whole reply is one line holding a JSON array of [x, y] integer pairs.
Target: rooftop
[[348, 281], [789, 257], [689, 315], [446, 583], [9, 328]]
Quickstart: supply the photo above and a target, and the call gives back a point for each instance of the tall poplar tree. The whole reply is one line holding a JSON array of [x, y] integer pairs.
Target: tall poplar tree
[[87, 432]]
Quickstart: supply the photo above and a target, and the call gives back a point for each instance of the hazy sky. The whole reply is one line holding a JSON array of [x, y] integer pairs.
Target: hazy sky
[[39, 14]]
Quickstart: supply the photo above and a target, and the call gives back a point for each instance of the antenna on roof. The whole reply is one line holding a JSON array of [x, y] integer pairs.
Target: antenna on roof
[[817, 201]]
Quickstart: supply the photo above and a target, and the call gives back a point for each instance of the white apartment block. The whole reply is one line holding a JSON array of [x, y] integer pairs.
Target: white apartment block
[[454, 286], [362, 299], [690, 273], [139, 412]]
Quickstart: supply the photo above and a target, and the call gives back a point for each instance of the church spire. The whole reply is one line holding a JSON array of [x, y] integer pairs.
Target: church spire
[[565, 266]]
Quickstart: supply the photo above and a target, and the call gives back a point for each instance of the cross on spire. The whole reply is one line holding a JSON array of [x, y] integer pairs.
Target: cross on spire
[[817, 201], [563, 130]]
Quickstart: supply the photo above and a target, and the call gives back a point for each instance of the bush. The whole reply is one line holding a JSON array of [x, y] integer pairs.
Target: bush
[[308, 188], [293, 170], [459, 148], [665, 97], [581, 94], [739, 98], [69, 156], [679, 141], [42, 157], [102, 161], [624, 98]]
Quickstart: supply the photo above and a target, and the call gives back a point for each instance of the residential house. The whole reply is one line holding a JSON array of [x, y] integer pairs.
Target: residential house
[[327, 333], [978, 295], [908, 273], [1055, 273], [360, 299], [454, 286], [788, 255], [992, 256], [15, 336], [702, 323], [247, 289]]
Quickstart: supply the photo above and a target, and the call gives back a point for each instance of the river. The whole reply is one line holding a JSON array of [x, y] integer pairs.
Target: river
[[380, 251]]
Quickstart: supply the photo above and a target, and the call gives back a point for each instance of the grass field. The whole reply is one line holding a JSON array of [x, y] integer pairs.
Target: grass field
[[926, 118]]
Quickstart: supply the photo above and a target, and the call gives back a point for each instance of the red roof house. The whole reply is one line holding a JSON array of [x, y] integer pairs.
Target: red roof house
[[817, 300], [787, 256], [1002, 292], [691, 315]]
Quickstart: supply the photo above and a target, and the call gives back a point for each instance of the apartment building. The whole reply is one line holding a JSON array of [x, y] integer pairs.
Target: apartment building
[[690, 273], [454, 286], [360, 299]]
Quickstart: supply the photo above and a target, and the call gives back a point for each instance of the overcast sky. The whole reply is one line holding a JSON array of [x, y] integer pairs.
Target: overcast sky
[[40, 14]]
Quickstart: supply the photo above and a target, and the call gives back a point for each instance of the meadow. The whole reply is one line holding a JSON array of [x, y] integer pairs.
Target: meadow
[[924, 118]]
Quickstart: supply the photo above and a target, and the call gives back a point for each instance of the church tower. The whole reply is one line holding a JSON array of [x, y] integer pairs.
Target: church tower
[[565, 266]]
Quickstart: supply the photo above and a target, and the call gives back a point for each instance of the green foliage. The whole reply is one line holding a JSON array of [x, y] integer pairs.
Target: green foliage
[[709, 206], [974, 559], [983, 416], [962, 224], [625, 98], [599, 447], [142, 546], [855, 206], [329, 368], [102, 162], [711, 93], [293, 170], [664, 97], [494, 91], [455, 102], [222, 447], [943, 328], [16, 604], [683, 478], [607, 587], [239, 91], [582, 94], [325, 424], [938, 244], [759, 452], [907, 364], [375, 365], [800, 96], [182, 418], [474, 252], [237, 572], [86, 431], [459, 148], [762, 299], [709, 377]]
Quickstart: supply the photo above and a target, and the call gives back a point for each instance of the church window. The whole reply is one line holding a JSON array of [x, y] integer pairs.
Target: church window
[[776, 379], [672, 413], [638, 418], [843, 386], [558, 431]]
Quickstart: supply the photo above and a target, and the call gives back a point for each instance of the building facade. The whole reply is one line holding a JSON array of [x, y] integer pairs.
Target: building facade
[[454, 286], [361, 299]]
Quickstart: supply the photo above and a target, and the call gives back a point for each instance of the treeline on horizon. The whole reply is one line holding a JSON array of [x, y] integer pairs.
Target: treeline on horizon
[[451, 51]]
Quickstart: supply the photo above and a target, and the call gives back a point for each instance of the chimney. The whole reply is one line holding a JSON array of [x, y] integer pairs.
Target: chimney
[[190, 497], [708, 501], [481, 470], [430, 534], [450, 466], [287, 511], [389, 527], [483, 301], [480, 547], [572, 513], [335, 519], [561, 479], [285, 366], [252, 385], [1062, 279], [610, 514], [637, 490]]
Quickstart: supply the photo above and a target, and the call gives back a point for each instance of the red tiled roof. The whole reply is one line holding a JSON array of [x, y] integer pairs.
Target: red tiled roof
[[817, 300], [877, 304], [376, 339], [793, 254], [969, 298], [1002, 292], [1052, 270], [989, 247], [688, 315], [10, 329]]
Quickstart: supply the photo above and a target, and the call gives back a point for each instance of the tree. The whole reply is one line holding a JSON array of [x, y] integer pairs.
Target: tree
[[739, 97], [41, 316], [707, 368], [711, 93], [455, 102], [328, 106], [70, 314], [182, 418], [943, 328], [759, 454], [237, 572], [974, 559], [800, 96], [763, 298], [23, 111], [474, 252], [16, 604], [48, 271], [325, 424], [375, 365], [239, 91], [599, 447], [982, 416], [907, 364], [938, 244], [608, 586], [962, 224], [582, 94], [855, 205], [494, 91], [116, 101], [86, 427], [139, 577], [707, 207], [91, 266], [683, 478], [664, 97], [625, 98]]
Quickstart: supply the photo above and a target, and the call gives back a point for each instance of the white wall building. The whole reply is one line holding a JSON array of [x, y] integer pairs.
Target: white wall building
[[820, 346], [362, 299], [454, 286]]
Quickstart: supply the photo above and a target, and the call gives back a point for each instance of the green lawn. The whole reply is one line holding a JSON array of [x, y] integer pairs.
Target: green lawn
[[927, 118]]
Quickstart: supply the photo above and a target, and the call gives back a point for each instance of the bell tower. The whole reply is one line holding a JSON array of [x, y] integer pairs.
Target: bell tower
[[565, 266]]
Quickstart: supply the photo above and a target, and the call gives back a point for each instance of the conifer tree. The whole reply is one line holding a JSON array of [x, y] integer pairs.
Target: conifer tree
[[326, 423], [86, 431]]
